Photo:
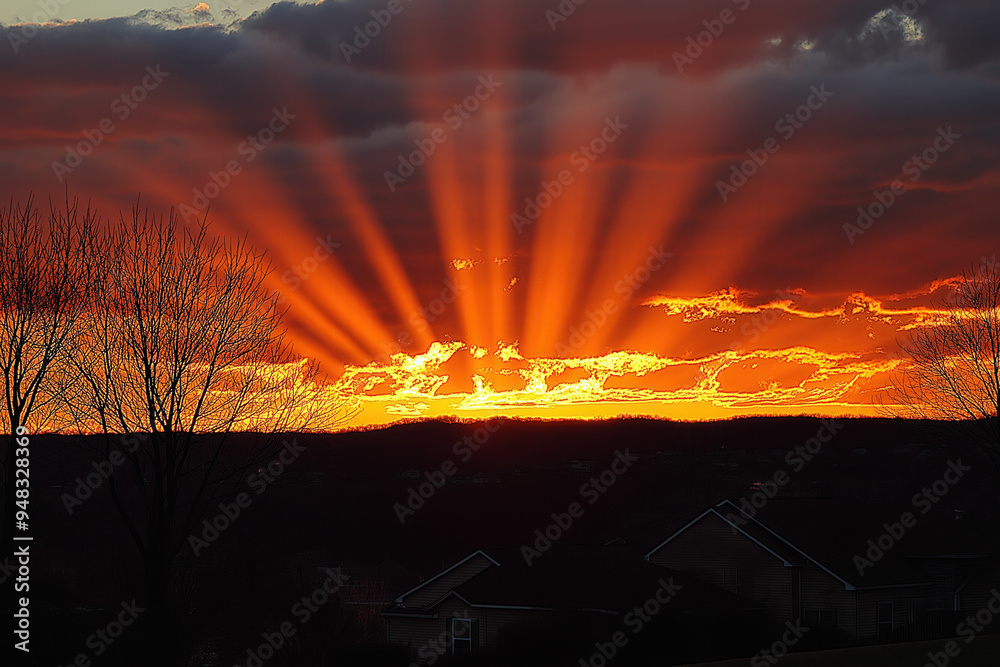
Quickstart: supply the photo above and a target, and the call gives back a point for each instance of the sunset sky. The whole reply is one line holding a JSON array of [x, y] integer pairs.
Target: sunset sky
[[542, 208]]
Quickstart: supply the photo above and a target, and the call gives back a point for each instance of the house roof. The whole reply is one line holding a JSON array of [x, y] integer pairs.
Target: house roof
[[478, 552], [753, 531], [609, 579], [829, 535], [830, 532]]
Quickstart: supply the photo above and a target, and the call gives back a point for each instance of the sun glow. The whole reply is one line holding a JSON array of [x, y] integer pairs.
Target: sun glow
[[624, 383], [550, 241]]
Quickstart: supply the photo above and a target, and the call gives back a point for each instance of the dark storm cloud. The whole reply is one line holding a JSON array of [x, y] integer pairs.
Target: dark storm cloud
[[616, 58], [966, 30], [213, 74], [299, 48], [600, 33]]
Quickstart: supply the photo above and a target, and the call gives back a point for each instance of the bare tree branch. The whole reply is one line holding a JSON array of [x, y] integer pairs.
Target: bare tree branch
[[186, 349], [953, 368], [49, 270]]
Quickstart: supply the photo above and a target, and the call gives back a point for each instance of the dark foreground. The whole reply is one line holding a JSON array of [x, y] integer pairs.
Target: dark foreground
[[309, 566]]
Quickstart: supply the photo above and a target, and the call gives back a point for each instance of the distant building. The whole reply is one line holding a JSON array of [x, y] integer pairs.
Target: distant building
[[799, 559], [569, 596], [478, 478]]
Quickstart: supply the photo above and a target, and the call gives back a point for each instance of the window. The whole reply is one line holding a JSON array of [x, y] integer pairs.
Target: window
[[883, 617], [816, 617], [731, 579], [461, 635], [921, 608], [916, 609], [946, 603]]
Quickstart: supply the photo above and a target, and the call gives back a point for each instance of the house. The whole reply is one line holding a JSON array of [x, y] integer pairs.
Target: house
[[478, 478], [562, 605], [836, 563]]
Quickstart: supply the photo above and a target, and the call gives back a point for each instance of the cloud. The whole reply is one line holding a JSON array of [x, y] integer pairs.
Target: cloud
[[688, 128]]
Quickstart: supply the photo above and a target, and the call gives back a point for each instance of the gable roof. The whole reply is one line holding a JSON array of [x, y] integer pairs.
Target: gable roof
[[589, 578], [752, 532], [833, 534], [838, 529], [477, 552]]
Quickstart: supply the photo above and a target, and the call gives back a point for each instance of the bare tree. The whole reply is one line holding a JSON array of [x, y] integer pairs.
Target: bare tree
[[953, 363], [187, 350], [48, 270]]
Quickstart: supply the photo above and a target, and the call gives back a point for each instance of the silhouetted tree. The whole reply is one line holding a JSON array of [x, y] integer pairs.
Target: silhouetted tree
[[48, 272], [953, 361], [186, 350]]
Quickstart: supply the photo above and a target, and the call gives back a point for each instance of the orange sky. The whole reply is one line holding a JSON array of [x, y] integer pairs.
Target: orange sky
[[650, 280]]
